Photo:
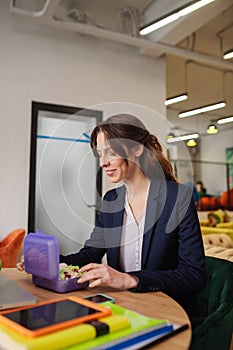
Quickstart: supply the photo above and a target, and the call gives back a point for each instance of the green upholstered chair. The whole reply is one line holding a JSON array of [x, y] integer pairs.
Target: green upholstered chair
[[216, 300]]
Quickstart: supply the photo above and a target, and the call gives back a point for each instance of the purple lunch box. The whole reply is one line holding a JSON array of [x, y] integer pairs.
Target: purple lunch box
[[41, 259]]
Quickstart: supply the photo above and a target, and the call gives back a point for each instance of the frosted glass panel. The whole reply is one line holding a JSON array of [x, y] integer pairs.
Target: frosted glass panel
[[65, 178]]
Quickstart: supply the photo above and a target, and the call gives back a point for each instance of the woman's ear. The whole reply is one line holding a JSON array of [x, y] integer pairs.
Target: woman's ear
[[138, 150]]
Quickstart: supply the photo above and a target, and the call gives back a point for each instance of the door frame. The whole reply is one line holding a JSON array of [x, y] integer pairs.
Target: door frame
[[41, 106]]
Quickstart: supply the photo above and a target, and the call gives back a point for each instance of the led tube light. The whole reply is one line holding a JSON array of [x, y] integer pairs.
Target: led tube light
[[183, 138], [191, 8], [175, 99], [225, 120], [157, 25], [173, 16], [228, 54], [202, 109]]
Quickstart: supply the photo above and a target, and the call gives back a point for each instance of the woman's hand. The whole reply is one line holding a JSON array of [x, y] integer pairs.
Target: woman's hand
[[20, 265], [104, 275]]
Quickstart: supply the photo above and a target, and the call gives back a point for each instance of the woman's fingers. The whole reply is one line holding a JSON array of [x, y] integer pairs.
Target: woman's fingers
[[95, 283], [20, 265], [91, 266], [94, 273]]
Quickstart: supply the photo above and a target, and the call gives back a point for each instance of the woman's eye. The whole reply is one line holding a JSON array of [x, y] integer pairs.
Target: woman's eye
[[112, 153]]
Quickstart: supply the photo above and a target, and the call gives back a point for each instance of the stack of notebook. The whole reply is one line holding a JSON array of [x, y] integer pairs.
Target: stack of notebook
[[126, 330]]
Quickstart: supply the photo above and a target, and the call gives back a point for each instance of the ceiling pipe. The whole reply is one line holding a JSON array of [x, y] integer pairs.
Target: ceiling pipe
[[45, 16]]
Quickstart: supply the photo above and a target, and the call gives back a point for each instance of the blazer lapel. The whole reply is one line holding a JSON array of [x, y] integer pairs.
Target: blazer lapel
[[155, 204]]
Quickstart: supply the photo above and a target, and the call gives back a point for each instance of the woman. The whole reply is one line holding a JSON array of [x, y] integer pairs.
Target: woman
[[147, 227], [202, 192]]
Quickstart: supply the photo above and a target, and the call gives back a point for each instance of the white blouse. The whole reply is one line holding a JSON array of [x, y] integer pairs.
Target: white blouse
[[131, 240]]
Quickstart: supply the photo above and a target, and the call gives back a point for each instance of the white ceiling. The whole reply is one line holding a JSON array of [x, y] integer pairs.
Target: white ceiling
[[193, 45]]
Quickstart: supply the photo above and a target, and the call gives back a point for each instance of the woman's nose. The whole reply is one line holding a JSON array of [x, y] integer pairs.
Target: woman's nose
[[104, 161]]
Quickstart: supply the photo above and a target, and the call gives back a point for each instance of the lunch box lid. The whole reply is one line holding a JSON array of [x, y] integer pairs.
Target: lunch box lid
[[41, 255]]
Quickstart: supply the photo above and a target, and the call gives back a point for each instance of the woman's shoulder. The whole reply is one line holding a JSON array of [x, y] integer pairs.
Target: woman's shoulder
[[182, 188], [179, 195], [177, 186]]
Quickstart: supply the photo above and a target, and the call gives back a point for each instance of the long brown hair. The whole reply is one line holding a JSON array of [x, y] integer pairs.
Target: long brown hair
[[129, 130]]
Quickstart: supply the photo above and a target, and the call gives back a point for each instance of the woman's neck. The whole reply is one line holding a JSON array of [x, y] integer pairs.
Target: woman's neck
[[138, 186], [137, 194]]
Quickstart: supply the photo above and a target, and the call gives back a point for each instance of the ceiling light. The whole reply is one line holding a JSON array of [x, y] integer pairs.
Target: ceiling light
[[212, 129], [170, 135], [228, 54], [173, 16], [183, 138], [202, 109], [191, 143], [195, 5], [175, 99], [225, 120], [159, 24]]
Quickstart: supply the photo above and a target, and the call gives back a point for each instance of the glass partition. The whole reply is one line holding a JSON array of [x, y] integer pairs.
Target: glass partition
[[65, 182]]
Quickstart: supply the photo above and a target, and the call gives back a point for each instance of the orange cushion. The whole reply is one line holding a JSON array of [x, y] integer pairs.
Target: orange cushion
[[208, 203], [224, 199]]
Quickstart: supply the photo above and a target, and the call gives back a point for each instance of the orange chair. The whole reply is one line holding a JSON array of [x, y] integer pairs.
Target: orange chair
[[208, 203], [10, 247], [226, 199]]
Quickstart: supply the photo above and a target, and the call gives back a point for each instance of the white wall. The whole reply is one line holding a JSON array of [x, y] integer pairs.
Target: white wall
[[58, 67]]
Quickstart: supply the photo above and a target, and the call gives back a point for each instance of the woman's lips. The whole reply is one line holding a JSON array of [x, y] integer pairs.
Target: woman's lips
[[110, 172]]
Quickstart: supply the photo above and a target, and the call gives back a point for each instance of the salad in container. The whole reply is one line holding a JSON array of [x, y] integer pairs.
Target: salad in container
[[41, 259]]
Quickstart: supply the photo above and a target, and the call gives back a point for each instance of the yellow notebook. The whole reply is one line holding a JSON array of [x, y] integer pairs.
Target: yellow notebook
[[139, 325], [9, 340]]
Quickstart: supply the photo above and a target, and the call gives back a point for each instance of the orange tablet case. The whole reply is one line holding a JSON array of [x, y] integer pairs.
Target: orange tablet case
[[101, 312]]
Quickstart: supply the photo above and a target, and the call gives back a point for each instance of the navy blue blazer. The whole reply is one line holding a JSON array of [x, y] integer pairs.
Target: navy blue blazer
[[172, 252]]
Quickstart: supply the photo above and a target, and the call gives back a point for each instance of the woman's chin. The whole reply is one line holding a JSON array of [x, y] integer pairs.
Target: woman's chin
[[114, 180]]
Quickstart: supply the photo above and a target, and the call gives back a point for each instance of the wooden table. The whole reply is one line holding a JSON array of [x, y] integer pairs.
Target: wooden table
[[157, 305]]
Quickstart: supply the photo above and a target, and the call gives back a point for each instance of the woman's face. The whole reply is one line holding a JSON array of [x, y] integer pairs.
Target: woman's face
[[115, 167]]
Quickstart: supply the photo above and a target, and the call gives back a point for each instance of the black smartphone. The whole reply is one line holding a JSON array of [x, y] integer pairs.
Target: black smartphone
[[99, 298]]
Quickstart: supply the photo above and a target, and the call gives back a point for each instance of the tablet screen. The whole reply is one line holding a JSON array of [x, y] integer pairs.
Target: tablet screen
[[50, 314]]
